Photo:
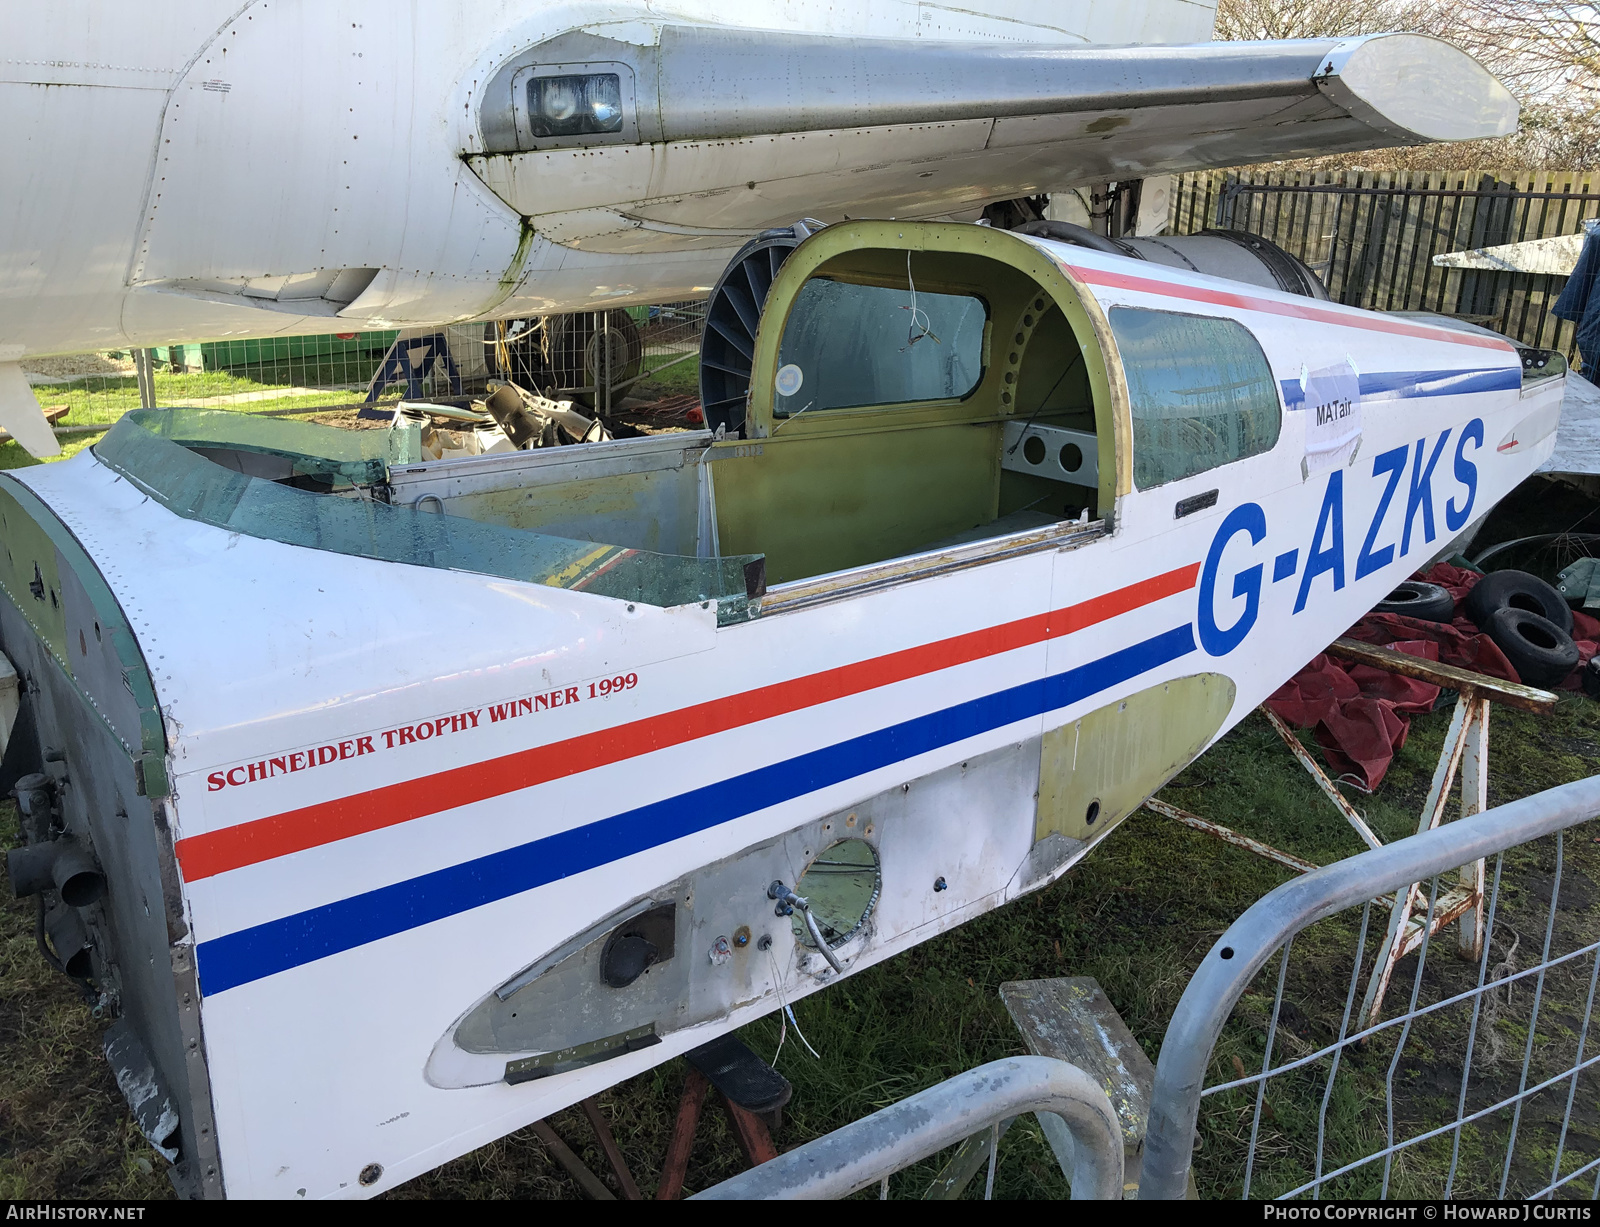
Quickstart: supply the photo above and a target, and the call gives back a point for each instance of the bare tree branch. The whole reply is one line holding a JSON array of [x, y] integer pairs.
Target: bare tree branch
[[1546, 51], [1251, 19]]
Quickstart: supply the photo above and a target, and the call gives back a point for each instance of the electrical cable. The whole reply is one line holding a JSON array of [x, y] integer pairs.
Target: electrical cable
[[925, 324], [786, 1010]]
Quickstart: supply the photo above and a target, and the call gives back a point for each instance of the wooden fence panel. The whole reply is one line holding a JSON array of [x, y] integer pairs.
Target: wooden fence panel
[[1372, 235]]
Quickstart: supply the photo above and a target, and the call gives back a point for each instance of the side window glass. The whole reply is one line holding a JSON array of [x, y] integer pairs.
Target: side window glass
[[1201, 389], [849, 346]]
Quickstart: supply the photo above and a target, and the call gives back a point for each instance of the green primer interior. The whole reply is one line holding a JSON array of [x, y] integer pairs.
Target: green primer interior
[[653, 510], [154, 449], [1098, 769], [32, 538], [826, 492]]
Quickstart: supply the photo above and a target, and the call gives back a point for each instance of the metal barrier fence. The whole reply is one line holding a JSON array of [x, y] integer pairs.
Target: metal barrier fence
[[1484, 1085], [976, 1104], [652, 349], [1372, 236]]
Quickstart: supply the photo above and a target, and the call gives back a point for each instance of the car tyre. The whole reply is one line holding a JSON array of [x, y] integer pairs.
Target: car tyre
[[1540, 651]]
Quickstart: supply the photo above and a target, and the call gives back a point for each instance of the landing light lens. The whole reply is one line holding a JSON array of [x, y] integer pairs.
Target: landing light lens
[[575, 106], [560, 102]]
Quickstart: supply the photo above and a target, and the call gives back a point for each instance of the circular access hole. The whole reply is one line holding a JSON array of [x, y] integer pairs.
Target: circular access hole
[[1536, 635], [1071, 457], [1092, 813], [371, 1173], [842, 885], [1226, 952], [1027, 321], [1033, 449]]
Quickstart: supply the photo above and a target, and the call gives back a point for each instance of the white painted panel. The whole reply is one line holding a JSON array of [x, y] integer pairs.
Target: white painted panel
[[70, 206], [90, 42]]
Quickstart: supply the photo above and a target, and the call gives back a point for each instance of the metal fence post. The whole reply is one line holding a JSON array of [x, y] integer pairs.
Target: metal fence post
[[145, 372], [862, 1154], [1241, 952], [1474, 800]]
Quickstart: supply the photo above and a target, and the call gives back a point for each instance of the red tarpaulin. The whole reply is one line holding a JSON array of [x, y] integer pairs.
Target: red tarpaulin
[[1362, 714]]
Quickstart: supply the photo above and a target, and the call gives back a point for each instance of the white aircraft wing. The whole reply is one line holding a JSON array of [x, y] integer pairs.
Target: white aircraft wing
[[306, 167], [1556, 256], [712, 131]]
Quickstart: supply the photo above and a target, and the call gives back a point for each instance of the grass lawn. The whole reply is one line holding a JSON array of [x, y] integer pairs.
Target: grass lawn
[[99, 398], [673, 380]]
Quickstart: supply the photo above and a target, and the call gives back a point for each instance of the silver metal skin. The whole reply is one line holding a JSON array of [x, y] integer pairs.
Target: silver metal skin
[[868, 1151], [1272, 923], [708, 83], [1014, 453]]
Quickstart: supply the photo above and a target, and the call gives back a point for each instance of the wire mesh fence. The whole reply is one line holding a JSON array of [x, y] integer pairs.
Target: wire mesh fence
[[1372, 236], [647, 352], [1480, 1078]]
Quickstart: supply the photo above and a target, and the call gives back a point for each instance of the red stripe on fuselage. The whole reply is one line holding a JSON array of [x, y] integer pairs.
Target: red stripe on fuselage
[[1307, 310], [249, 843]]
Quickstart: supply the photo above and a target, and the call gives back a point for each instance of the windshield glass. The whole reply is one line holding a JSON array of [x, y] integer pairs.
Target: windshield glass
[[341, 510]]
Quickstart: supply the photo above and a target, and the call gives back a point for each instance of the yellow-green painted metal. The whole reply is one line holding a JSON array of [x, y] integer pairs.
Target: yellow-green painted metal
[[1104, 764], [850, 486], [33, 537], [30, 576], [816, 504]]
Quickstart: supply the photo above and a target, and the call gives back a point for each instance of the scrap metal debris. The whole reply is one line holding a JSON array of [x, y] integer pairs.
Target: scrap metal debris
[[506, 419]]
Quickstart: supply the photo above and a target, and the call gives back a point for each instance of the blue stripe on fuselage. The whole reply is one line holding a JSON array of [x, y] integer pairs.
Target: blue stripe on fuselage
[[1407, 385], [278, 945]]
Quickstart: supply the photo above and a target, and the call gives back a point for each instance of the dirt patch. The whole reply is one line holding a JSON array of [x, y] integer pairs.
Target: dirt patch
[[80, 366], [664, 415]]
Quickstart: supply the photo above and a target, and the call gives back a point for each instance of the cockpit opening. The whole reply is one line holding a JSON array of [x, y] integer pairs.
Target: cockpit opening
[[905, 399]]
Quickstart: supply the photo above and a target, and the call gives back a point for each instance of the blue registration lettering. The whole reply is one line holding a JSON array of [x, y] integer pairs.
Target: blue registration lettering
[[1394, 464], [1245, 518], [1421, 494], [1466, 474], [1318, 559]]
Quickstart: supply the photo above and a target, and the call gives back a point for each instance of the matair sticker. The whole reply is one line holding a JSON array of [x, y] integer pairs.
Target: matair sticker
[[1333, 416]]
